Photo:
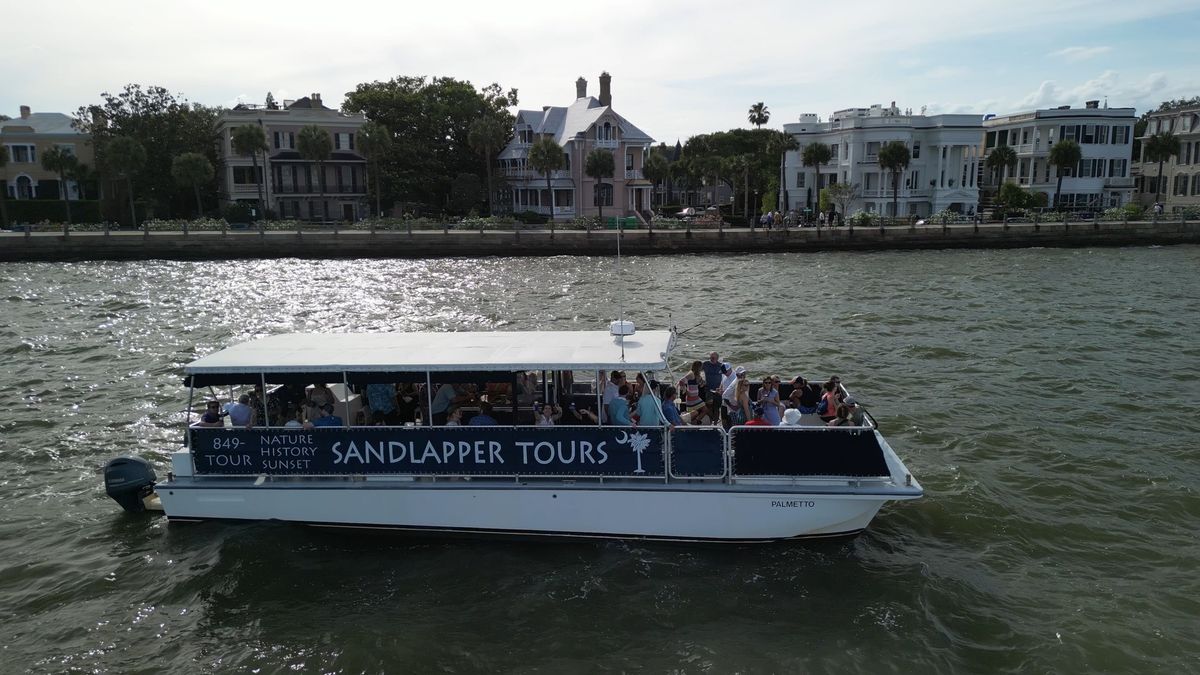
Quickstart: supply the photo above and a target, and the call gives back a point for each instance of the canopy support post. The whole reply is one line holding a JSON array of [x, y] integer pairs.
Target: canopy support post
[[428, 399], [346, 400], [266, 420]]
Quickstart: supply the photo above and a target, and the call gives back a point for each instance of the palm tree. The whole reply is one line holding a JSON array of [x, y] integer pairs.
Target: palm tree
[[657, 169], [315, 145], [546, 157], [3, 186], [894, 157], [487, 135], [61, 162], [1064, 155], [759, 115], [1001, 158], [815, 155], [1159, 148], [375, 141], [248, 141], [124, 156], [192, 169], [598, 166], [82, 174]]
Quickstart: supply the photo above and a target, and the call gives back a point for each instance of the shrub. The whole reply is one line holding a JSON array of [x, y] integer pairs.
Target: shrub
[[530, 218], [864, 219], [39, 210]]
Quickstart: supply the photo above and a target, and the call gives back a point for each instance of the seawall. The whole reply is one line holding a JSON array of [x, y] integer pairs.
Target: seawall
[[127, 245]]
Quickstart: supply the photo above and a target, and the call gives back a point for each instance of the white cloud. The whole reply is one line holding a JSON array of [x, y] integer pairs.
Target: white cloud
[[1143, 93], [1076, 54]]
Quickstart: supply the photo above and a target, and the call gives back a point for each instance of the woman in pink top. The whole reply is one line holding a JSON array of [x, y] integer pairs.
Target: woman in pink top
[[829, 401]]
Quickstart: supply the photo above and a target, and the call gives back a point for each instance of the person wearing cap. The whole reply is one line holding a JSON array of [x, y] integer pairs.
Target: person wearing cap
[[791, 418], [756, 416], [856, 411], [328, 419]]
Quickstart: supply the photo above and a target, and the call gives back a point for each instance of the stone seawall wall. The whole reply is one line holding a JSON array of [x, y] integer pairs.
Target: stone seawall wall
[[422, 244]]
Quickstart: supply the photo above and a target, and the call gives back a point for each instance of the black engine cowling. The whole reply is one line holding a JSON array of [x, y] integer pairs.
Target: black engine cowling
[[128, 480]]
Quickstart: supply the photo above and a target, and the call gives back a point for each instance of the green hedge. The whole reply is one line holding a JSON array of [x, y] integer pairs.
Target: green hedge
[[37, 210]]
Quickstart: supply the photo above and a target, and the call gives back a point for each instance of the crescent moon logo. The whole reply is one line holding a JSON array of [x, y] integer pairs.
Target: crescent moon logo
[[624, 438]]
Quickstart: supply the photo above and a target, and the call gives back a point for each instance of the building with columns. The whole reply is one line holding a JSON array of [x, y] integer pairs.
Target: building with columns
[[294, 187], [1179, 186], [585, 125], [941, 176], [1105, 136]]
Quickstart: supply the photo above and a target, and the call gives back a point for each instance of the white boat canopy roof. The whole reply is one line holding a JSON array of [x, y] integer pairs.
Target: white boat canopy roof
[[439, 352]]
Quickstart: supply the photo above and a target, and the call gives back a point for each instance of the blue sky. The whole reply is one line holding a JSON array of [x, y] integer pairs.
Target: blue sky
[[679, 67]]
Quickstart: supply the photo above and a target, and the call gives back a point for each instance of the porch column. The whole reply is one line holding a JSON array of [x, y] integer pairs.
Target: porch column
[[938, 177]]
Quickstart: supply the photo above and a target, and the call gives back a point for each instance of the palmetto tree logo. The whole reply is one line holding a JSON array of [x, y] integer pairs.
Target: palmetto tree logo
[[638, 442]]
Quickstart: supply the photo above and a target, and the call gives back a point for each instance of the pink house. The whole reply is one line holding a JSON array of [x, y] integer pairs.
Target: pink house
[[587, 124]]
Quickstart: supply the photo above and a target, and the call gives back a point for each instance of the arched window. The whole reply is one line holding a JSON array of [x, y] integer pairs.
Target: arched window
[[24, 188]]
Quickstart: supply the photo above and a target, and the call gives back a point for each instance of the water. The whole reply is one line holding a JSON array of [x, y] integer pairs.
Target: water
[[1045, 398]]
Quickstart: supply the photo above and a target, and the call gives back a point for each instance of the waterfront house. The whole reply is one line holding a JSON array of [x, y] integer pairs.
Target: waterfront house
[[941, 175], [587, 124], [1105, 136], [1180, 186], [293, 188], [27, 137]]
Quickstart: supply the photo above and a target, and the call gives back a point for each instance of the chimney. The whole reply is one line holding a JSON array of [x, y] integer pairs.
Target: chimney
[[1092, 104], [581, 88], [315, 98], [605, 88], [25, 112]]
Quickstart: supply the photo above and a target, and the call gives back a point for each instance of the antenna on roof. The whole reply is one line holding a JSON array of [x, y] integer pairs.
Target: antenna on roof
[[620, 328]]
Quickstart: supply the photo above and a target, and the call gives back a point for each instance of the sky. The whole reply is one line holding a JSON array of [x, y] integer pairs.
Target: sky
[[679, 67]]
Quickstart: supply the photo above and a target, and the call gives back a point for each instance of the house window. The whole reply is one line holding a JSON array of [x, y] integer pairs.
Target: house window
[[1102, 133], [629, 161], [22, 154], [245, 175], [1117, 168], [872, 149], [604, 133], [67, 148], [833, 150], [799, 179], [275, 139], [1196, 184], [916, 150], [602, 195], [291, 140], [1120, 135], [343, 141]]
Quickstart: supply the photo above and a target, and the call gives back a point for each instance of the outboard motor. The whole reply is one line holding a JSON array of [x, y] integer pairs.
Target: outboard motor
[[129, 480]]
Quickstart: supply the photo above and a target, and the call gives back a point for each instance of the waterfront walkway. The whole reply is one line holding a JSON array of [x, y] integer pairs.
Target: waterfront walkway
[[136, 245]]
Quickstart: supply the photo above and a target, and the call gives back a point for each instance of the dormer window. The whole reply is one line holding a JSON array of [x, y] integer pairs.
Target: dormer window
[[605, 132]]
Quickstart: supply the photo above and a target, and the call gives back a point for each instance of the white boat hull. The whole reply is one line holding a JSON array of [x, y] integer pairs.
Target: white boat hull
[[551, 510]]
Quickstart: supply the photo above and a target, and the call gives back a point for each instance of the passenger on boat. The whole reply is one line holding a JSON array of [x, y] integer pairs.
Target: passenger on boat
[[669, 409], [297, 420], [729, 396], [649, 409], [446, 396], [381, 398], [320, 395], [692, 385], [756, 416], [212, 417], [241, 414], [805, 395], [740, 412], [841, 419], [575, 415], [454, 417], [409, 399], [612, 389], [856, 411], [328, 419], [546, 415], [768, 397], [639, 386], [484, 418], [710, 388], [618, 408], [791, 418], [827, 408]]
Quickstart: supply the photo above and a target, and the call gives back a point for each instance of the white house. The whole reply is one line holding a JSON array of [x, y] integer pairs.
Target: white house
[[1105, 136], [941, 175]]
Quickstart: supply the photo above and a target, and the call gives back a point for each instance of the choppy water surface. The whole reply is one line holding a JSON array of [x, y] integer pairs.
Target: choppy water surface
[[1045, 398]]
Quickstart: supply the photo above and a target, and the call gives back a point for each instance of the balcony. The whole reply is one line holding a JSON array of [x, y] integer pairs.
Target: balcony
[[607, 143], [634, 174], [559, 211], [1118, 182], [530, 174], [314, 190]]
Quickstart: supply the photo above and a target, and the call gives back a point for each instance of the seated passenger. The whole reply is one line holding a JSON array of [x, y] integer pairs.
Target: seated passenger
[[827, 408], [649, 409], [381, 398], [320, 395], [841, 418], [546, 415], [241, 414], [805, 395], [756, 416], [791, 418], [212, 417], [328, 419], [669, 409], [618, 408], [856, 411], [454, 417], [297, 420], [484, 418], [768, 397]]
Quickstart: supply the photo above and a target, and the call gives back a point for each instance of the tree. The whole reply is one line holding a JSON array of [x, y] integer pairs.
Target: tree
[[60, 161], [488, 136], [315, 145], [192, 169], [1065, 155], [3, 186], [248, 141], [759, 115], [894, 157], [1011, 196], [375, 141], [1159, 148], [430, 119], [166, 127], [464, 192], [82, 174], [814, 155], [657, 169], [546, 157], [598, 166], [125, 157], [843, 194], [1001, 158]]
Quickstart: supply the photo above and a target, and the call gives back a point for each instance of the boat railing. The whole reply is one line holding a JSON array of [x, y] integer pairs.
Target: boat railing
[[819, 451], [698, 453]]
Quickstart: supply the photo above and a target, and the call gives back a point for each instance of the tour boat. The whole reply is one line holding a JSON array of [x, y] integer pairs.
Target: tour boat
[[687, 483]]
